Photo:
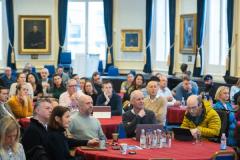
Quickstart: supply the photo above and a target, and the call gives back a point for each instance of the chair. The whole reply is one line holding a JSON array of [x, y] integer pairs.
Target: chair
[[66, 61], [51, 70], [121, 131], [224, 155], [113, 71]]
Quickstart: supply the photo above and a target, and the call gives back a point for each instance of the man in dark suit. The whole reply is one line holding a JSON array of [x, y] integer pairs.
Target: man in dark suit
[[7, 78], [35, 39], [137, 115]]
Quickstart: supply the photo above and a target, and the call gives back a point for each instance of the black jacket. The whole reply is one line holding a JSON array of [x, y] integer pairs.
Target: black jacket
[[131, 120], [58, 145], [34, 135]]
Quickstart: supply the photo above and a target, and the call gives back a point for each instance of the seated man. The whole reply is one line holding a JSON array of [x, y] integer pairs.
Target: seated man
[[5, 110], [36, 133], [66, 98], [209, 89], [164, 91], [7, 79], [138, 115], [201, 117], [83, 126], [185, 89], [97, 82], [156, 104], [45, 81], [110, 98]]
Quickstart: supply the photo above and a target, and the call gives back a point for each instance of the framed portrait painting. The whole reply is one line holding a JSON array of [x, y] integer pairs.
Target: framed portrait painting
[[131, 40], [34, 34], [188, 30]]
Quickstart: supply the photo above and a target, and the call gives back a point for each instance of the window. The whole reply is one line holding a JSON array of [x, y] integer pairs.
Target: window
[[161, 18], [216, 29], [85, 28]]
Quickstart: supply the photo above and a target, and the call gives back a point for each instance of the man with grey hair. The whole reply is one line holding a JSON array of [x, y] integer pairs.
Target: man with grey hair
[[36, 134], [7, 79], [83, 126], [45, 81], [138, 115], [66, 98]]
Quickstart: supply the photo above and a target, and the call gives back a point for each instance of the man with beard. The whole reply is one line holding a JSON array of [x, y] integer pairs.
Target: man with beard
[[209, 89]]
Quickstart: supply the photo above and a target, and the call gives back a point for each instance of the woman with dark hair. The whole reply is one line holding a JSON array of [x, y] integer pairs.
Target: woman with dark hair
[[137, 84], [21, 103], [90, 90], [58, 145], [37, 87], [58, 86]]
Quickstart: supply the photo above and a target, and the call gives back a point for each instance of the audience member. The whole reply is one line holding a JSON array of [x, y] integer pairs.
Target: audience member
[[78, 127], [36, 134], [156, 104], [21, 79], [7, 79], [137, 115], [91, 91], [184, 69], [110, 98], [10, 148], [137, 84], [21, 104], [58, 86], [66, 98], [222, 97], [62, 74], [45, 81], [82, 82], [209, 89], [126, 84], [37, 87], [185, 89], [27, 68], [97, 82], [201, 118], [5, 110], [77, 78], [234, 89], [58, 145], [164, 91]]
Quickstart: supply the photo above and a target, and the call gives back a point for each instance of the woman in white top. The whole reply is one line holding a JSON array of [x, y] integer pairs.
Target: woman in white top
[[234, 89], [10, 148]]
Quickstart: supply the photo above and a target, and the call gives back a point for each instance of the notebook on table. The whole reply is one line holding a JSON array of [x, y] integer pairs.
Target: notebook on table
[[182, 134], [102, 111], [146, 127]]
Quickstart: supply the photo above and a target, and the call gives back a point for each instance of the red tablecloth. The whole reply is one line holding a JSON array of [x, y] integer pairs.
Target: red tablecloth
[[109, 125], [175, 115], [178, 151]]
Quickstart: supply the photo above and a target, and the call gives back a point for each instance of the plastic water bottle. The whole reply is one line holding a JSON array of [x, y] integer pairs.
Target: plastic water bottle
[[154, 139], [159, 138], [183, 102], [163, 140], [149, 139], [143, 139], [223, 144]]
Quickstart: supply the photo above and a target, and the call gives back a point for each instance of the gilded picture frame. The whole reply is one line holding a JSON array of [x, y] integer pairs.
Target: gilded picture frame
[[34, 34], [131, 40], [188, 31]]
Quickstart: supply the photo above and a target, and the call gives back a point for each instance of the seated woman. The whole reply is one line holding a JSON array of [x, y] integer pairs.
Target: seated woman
[[91, 91], [234, 89], [10, 148], [58, 144], [58, 86], [37, 87], [222, 103], [126, 84], [21, 104], [137, 84]]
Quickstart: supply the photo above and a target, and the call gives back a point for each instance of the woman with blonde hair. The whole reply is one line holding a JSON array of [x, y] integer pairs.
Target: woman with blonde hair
[[222, 103], [10, 148], [234, 89]]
